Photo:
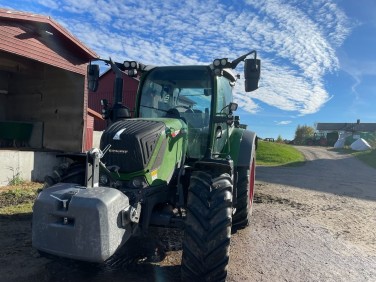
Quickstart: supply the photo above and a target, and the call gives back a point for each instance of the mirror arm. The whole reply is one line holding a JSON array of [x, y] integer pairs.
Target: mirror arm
[[115, 68], [235, 62], [229, 119]]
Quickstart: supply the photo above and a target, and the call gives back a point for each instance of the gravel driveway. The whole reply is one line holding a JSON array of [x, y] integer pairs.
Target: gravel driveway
[[316, 222]]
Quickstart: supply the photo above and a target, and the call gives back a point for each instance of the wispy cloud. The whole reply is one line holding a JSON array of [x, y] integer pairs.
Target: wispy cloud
[[49, 4], [357, 69], [296, 40], [283, 122]]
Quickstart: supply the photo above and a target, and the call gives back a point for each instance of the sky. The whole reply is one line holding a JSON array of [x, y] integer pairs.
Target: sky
[[318, 58]]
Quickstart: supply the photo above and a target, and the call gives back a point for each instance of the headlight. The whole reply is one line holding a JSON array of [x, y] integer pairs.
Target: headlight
[[139, 182], [103, 179], [127, 64], [216, 62], [218, 72], [117, 184], [224, 62], [132, 72]]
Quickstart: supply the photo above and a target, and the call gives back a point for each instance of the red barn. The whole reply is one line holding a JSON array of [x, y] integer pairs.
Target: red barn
[[43, 94], [43, 81], [105, 91]]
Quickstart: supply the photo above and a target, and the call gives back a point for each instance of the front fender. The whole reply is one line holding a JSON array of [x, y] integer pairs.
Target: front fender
[[243, 144]]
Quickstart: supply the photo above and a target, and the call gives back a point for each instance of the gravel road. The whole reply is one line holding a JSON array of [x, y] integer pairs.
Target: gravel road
[[315, 222]]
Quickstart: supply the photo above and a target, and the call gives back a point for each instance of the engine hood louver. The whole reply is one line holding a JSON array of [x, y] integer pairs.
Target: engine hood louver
[[133, 142]]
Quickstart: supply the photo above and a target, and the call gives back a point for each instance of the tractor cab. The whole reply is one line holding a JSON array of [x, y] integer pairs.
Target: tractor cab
[[184, 93]]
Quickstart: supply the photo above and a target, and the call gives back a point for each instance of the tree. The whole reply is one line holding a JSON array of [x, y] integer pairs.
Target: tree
[[279, 139], [303, 132]]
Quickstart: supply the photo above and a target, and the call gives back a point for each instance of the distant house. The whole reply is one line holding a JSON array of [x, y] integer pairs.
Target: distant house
[[350, 132]]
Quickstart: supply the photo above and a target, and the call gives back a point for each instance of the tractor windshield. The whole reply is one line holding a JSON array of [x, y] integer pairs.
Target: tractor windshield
[[180, 92]]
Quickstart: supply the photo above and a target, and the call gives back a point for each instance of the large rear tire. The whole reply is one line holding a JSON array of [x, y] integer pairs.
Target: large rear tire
[[207, 234], [245, 194], [67, 173]]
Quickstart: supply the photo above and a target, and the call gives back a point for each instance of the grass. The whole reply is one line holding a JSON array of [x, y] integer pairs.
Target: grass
[[17, 199], [276, 154], [368, 157], [16, 179], [17, 209]]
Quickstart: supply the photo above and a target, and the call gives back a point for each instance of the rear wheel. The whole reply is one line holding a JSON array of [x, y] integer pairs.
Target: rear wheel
[[245, 193], [67, 173], [208, 227]]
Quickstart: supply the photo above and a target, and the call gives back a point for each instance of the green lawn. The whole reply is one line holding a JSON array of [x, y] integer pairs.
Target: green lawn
[[18, 199], [368, 157], [276, 154]]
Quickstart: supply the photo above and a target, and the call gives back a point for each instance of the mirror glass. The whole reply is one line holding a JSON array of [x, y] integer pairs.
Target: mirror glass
[[252, 69], [92, 77]]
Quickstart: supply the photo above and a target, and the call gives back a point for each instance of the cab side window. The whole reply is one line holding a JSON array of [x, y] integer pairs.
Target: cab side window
[[224, 93]]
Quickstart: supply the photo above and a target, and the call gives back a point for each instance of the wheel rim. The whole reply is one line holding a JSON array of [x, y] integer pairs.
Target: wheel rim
[[251, 182]]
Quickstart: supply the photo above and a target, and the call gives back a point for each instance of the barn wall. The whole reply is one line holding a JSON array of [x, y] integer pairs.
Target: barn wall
[[2, 106], [89, 133], [53, 98], [64, 122], [105, 91], [4, 88]]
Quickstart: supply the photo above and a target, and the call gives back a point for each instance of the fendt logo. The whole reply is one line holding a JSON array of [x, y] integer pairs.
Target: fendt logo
[[118, 151], [117, 135]]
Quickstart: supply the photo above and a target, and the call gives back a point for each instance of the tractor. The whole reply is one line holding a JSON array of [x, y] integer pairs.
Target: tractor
[[183, 160]]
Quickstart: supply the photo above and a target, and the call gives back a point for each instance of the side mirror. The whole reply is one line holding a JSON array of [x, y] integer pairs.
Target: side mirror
[[252, 69], [92, 77]]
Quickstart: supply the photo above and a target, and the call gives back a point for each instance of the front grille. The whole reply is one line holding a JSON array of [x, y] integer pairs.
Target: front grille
[[133, 142]]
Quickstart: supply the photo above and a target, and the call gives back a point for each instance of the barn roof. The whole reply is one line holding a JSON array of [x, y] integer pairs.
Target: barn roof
[[42, 39]]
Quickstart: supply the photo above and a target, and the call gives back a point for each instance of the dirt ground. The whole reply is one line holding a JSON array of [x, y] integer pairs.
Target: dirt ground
[[316, 222]]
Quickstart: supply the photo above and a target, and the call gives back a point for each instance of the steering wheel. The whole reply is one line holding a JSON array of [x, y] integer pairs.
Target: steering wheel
[[188, 109]]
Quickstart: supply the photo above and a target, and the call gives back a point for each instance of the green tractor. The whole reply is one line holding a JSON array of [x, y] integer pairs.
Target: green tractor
[[184, 161]]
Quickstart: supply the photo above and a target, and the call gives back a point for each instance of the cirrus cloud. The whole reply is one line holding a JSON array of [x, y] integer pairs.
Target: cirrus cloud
[[296, 40]]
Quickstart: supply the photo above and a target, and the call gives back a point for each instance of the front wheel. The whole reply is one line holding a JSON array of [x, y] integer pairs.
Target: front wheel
[[208, 227], [67, 173]]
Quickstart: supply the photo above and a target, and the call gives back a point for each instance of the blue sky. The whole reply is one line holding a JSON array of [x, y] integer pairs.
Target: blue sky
[[318, 57]]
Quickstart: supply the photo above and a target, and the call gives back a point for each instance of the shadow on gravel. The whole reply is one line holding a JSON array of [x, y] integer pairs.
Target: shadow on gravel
[[136, 261], [65, 270], [345, 177]]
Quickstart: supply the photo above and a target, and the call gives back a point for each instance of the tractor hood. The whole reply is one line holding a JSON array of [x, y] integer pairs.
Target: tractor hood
[[138, 144]]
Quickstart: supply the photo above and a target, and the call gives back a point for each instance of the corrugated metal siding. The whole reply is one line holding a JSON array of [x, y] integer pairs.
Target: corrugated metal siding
[[88, 125], [105, 91], [89, 133], [24, 39]]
